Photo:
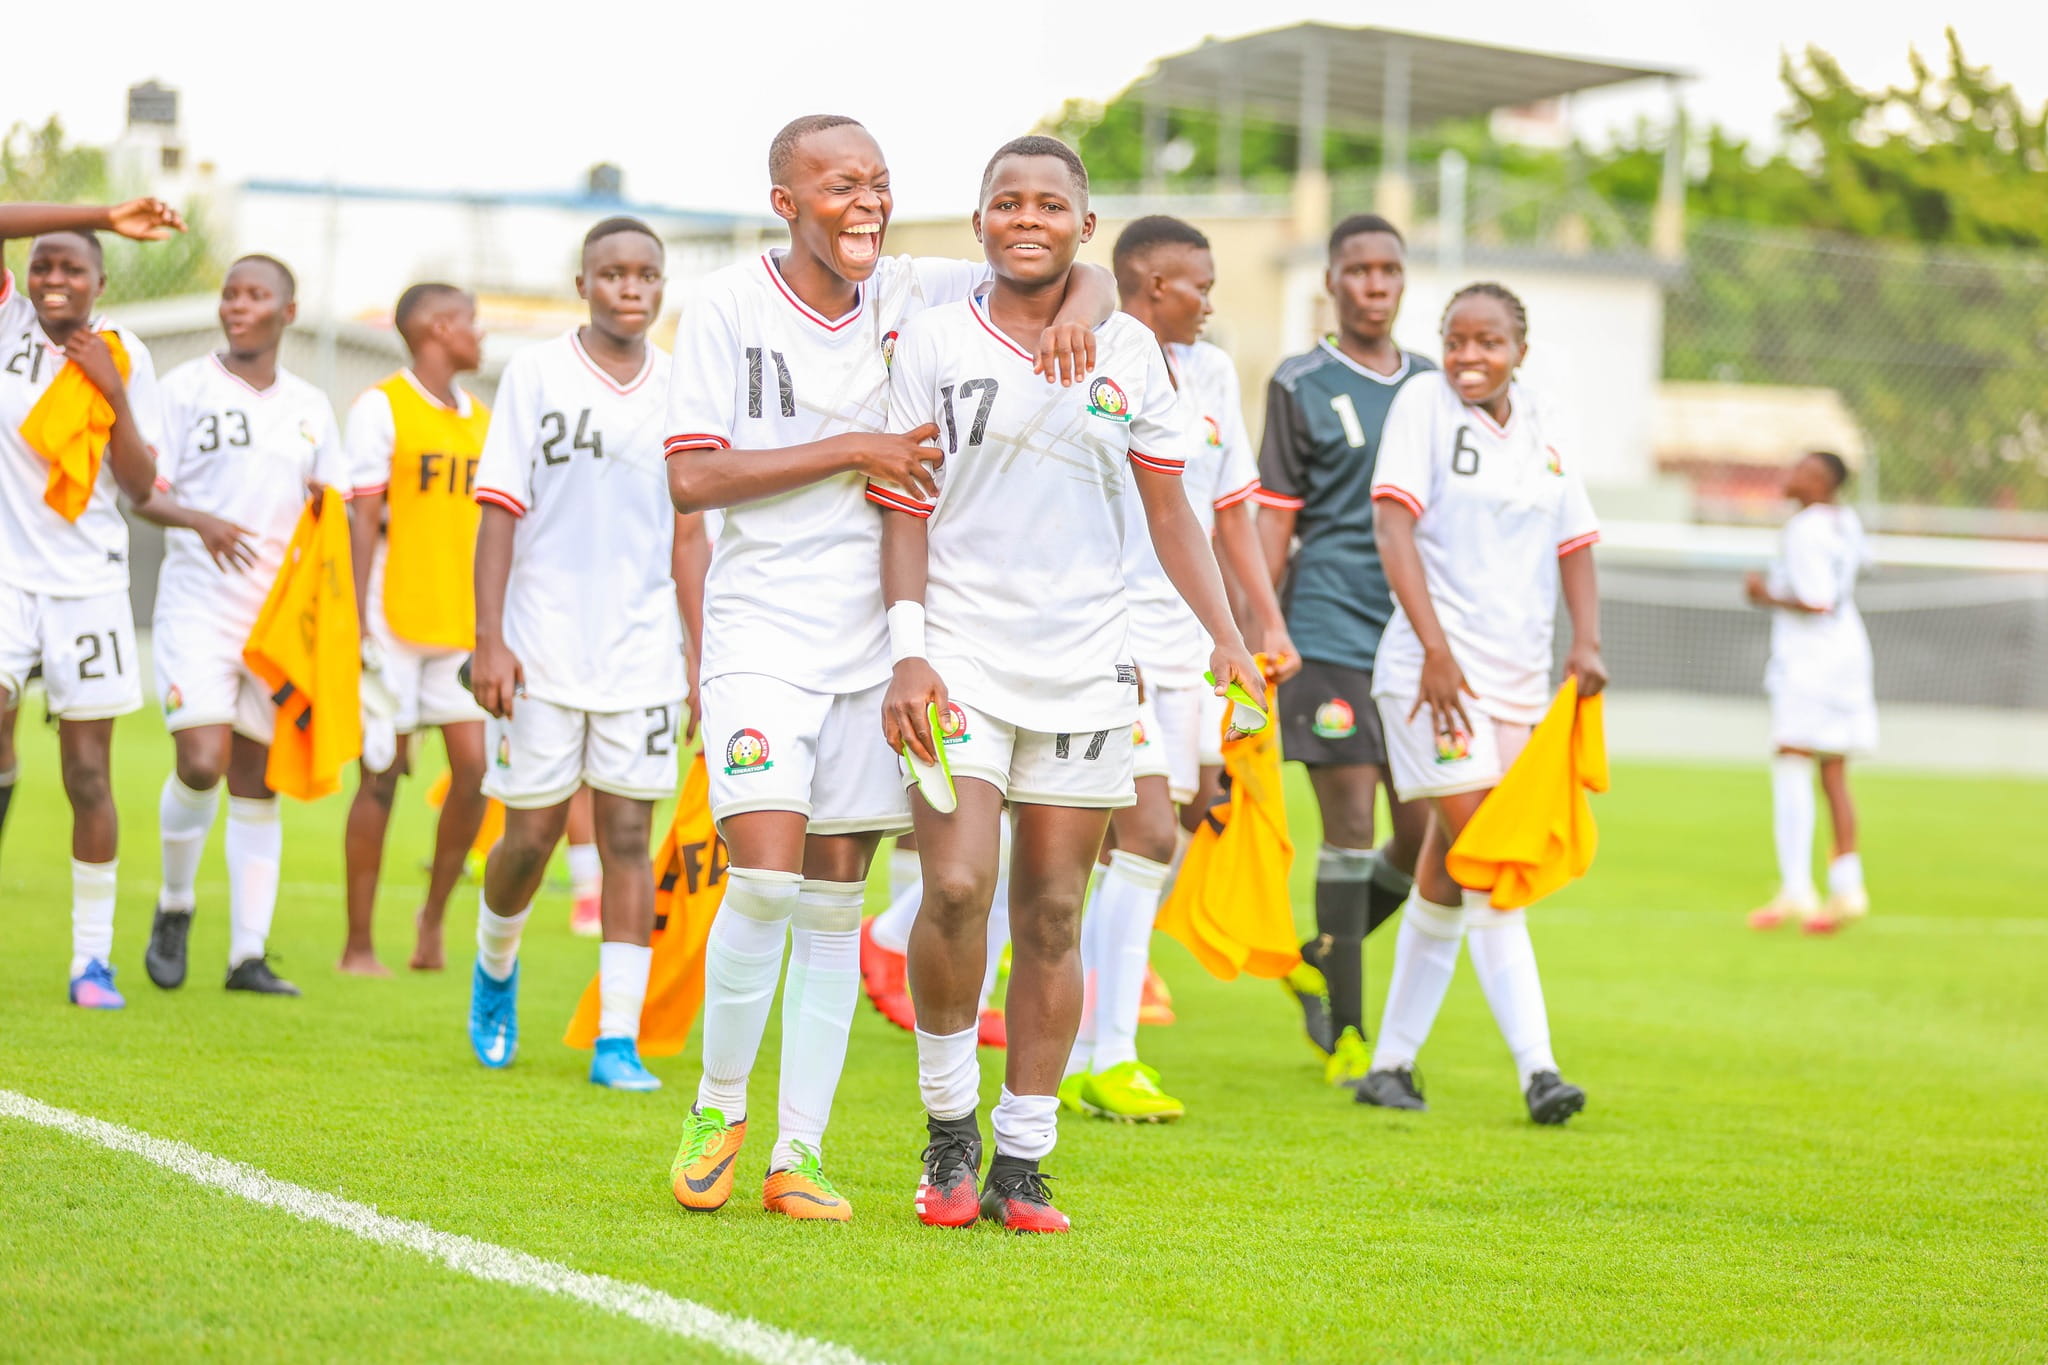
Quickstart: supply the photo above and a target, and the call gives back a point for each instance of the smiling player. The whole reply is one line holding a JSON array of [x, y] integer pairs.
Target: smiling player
[[775, 413], [1016, 564]]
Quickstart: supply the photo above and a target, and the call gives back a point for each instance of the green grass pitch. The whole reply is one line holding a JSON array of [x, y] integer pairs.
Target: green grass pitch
[[1794, 1149]]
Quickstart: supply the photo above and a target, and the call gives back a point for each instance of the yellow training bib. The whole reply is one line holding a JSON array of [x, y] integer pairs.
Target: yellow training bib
[[430, 532]]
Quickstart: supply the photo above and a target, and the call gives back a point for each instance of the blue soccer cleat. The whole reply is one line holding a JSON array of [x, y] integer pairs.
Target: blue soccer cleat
[[616, 1066], [93, 988], [494, 1017]]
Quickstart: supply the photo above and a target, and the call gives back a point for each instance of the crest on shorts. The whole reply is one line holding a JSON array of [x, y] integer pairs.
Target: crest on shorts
[[1555, 464], [1105, 399], [504, 751], [1334, 720], [952, 724], [1137, 734], [1212, 433], [746, 752], [888, 350], [173, 700], [1453, 747]]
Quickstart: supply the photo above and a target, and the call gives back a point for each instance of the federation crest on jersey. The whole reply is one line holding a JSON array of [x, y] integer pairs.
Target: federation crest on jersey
[[952, 724], [888, 350], [1334, 720], [307, 434], [504, 751], [1212, 432], [1137, 734], [1105, 399], [174, 701], [747, 752], [1453, 747]]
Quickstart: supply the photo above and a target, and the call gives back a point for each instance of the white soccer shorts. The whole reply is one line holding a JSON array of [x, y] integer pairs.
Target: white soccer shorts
[[1823, 723], [1215, 710], [92, 666], [545, 752], [426, 683], [1089, 768], [1427, 763], [1167, 740], [200, 676], [771, 745]]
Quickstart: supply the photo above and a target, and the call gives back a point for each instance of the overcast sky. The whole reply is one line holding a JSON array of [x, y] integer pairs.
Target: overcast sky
[[685, 94]]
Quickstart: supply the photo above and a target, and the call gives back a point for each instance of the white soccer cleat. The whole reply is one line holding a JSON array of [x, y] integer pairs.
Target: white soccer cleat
[[1781, 908]]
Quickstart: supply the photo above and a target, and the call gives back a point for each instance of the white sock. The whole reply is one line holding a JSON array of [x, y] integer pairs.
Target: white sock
[[818, 1004], [497, 938], [1425, 957], [742, 961], [1127, 904], [1505, 961], [998, 938], [183, 817], [892, 926], [1026, 1125], [905, 867], [621, 987], [1082, 1058], [949, 1073], [92, 913], [586, 873], [255, 847], [1792, 825], [1845, 875]]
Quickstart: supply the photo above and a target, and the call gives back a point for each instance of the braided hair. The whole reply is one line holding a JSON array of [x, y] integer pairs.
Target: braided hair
[[1491, 290]]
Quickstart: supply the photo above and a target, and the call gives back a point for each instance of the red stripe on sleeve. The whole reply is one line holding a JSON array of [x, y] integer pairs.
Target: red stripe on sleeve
[[1249, 491], [371, 489], [1386, 492], [1577, 543], [694, 440], [1266, 497], [897, 502], [1158, 464], [505, 500]]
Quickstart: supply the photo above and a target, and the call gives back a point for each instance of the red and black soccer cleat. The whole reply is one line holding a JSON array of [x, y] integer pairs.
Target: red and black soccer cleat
[[1017, 1199], [952, 1163]]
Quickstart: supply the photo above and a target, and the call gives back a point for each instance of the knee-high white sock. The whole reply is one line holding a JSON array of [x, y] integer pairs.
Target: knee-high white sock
[[1026, 1125], [586, 870], [621, 987], [998, 938], [497, 937], [905, 867], [742, 961], [1128, 904], [817, 1011], [949, 1072], [1425, 957], [1845, 875], [183, 817], [1082, 1058], [892, 926], [1505, 961], [1792, 824], [255, 846], [92, 913]]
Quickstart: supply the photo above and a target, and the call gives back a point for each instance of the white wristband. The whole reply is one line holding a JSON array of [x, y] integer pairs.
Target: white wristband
[[906, 631]]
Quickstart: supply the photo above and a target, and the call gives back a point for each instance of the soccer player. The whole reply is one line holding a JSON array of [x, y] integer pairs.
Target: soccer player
[[1325, 411], [579, 656], [64, 577], [414, 441], [245, 440], [775, 412], [1823, 700], [1016, 562], [1164, 272], [1481, 521]]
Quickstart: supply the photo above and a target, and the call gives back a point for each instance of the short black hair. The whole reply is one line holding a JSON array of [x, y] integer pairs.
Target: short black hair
[[1837, 467], [1501, 294], [1156, 229], [284, 272], [414, 299], [612, 226], [782, 151], [86, 235], [1036, 145], [1357, 225]]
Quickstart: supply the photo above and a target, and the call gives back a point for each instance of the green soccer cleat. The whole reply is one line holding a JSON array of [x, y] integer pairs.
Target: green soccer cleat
[[1129, 1093], [1349, 1060], [1070, 1093]]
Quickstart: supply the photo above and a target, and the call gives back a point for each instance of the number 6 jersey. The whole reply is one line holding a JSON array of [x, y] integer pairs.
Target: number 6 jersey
[[590, 606]]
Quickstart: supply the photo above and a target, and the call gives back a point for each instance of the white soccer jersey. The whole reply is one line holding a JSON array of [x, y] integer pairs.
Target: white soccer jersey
[[1495, 508], [794, 589], [1820, 553], [1169, 642], [1025, 599], [41, 552], [245, 454], [590, 607]]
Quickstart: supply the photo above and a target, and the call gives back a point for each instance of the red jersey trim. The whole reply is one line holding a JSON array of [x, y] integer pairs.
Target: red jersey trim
[[163, 485], [1266, 497], [240, 382], [501, 499], [6, 284], [1244, 494], [1158, 464], [775, 278], [694, 440], [371, 489], [1386, 492], [897, 502], [1578, 543], [603, 375], [975, 306]]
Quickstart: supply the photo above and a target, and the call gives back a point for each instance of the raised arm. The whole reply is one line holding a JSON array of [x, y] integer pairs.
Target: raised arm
[[1066, 348], [1190, 564], [145, 220]]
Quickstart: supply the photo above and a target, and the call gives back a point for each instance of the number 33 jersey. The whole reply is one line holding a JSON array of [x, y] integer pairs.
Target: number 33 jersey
[[1025, 600], [575, 455]]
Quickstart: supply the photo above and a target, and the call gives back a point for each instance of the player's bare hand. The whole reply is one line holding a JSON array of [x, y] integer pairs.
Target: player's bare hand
[[495, 677], [1585, 664], [1066, 353], [906, 710], [145, 220], [87, 350], [902, 459], [1443, 691], [233, 547], [1283, 660], [1757, 589], [1232, 662]]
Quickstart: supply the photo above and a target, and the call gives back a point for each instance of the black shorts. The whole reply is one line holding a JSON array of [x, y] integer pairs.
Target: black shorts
[[1327, 716]]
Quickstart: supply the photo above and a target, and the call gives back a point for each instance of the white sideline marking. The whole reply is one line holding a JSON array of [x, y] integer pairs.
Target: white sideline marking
[[481, 1260]]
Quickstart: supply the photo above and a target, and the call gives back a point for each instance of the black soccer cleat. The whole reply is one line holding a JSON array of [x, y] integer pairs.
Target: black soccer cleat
[[254, 974], [165, 958], [1392, 1088], [1552, 1098], [1307, 988]]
